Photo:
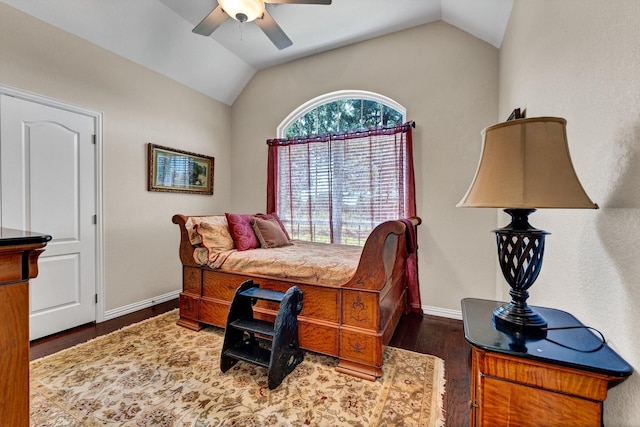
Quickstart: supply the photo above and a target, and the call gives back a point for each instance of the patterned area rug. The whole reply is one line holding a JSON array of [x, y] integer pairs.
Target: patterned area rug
[[155, 373]]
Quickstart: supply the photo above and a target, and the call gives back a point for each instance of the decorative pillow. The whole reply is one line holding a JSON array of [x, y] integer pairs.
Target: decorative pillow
[[242, 232], [190, 225], [201, 255], [193, 221], [275, 216], [214, 234], [269, 233]]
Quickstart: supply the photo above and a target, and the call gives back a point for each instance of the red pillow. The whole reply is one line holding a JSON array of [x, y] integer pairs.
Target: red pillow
[[277, 218], [241, 231]]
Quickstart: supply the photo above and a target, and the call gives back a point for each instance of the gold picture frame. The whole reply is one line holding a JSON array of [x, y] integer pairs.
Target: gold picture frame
[[178, 171]]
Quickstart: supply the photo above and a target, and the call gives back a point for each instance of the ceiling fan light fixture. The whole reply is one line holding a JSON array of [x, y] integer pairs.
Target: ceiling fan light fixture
[[243, 10]]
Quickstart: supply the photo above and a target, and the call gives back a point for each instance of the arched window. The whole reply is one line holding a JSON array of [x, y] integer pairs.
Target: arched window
[[342, 165], [342, 111]]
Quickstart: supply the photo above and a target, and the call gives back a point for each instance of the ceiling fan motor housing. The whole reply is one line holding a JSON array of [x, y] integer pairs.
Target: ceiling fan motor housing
[[248, 11], [243, 10]]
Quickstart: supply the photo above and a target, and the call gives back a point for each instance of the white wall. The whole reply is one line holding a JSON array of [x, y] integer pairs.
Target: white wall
[[448, 81], [139, 107], [580, 60]]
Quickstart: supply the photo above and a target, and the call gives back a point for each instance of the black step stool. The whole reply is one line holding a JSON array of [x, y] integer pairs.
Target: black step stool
[[240, 342]]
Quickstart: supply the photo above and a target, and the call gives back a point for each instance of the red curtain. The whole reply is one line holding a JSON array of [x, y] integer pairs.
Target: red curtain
[[398, 134], [413, 284]]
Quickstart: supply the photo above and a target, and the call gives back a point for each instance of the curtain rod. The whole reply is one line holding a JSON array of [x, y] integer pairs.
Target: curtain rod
[[372, 131]]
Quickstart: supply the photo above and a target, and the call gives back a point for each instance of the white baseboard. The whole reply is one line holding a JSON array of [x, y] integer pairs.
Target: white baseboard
[[117, 312], [442, 312]]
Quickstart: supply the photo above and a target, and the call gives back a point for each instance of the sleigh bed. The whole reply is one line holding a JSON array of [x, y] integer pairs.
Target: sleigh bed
[[352, 318]]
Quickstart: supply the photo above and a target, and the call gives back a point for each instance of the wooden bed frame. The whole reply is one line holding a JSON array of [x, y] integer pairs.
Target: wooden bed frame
[[353, 321]]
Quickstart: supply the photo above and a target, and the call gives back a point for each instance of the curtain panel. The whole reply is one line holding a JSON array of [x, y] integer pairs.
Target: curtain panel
[[337, 187]]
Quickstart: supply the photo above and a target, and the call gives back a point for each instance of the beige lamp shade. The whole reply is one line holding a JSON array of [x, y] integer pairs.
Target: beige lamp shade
[[525, 164]]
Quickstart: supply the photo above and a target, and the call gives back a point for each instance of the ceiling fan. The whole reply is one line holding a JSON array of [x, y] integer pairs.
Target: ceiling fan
[[247, 11]]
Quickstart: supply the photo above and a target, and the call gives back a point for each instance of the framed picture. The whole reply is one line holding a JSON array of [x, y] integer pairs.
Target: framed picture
[[179, 171]]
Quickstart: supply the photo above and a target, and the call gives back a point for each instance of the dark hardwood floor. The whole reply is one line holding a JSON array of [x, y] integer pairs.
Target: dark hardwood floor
[[423, 334]]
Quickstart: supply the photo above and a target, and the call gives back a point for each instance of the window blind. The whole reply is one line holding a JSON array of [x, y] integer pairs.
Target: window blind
[[337, 187]]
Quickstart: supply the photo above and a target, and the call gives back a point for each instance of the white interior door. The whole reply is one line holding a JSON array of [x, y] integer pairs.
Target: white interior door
[[48, 185]]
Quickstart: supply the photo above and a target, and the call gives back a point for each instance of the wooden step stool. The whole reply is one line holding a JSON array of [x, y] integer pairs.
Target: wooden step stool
[[240, 342]]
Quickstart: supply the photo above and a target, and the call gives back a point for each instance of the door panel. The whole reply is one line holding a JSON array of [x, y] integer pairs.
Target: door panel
[[57, 269], [47, 167], [54, 199]]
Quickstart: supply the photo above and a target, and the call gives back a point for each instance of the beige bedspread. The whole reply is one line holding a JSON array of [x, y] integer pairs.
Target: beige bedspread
[[301, 261]]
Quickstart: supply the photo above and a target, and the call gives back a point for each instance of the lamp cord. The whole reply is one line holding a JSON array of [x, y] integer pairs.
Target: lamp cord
[[603, 341]]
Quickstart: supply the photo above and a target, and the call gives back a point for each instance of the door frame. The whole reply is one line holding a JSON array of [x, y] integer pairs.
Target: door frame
[[98, 120]]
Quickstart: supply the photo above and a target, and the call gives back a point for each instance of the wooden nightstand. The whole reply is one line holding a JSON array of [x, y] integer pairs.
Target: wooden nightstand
[[554, 381], [19, 251]]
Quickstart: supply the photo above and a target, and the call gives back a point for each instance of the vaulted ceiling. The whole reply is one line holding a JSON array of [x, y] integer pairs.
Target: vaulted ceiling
[[157, 33]]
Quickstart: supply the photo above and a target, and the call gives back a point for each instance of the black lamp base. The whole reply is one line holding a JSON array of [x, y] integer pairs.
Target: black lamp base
[[520, 252], [525, 320]]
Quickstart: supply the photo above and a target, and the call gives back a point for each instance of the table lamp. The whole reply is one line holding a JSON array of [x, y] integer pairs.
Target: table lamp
[[524, 165]]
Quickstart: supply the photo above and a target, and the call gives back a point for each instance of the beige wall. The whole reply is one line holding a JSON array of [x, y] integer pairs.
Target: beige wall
[[448, 81], [445, 78], [581, 60], [139, 106]]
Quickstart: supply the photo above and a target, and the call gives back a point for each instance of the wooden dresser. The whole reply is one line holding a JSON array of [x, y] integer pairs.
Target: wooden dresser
[[558, 380], [19, 252]]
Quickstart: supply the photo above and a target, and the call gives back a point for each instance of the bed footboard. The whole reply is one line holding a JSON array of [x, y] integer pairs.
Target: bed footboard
[[373, 300], [353, 321]]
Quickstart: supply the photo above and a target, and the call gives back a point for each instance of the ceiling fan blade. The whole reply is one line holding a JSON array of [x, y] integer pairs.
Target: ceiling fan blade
[[211, 22], [271, 28], [298, 1]]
